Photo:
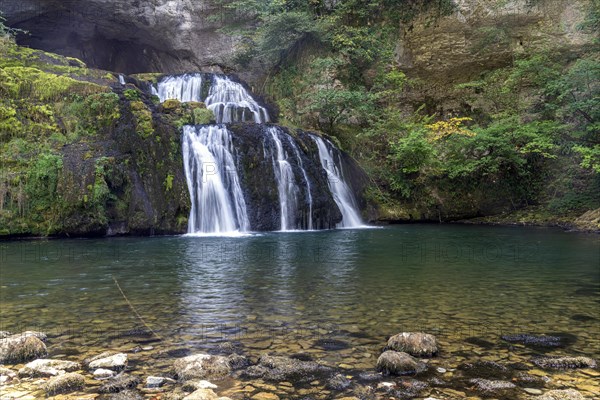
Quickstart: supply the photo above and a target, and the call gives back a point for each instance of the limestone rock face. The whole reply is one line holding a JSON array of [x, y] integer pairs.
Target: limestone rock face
[[127, 36], [481, 35]]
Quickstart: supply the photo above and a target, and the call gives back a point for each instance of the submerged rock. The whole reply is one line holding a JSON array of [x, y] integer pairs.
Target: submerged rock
[[399, 363], [48, 367], [417, 344], [568, 394], [17, 349], [564, 362], [127, 395], [206, 365], [202, 394], [119, 383], [6, 375], [338, 382], [107, 360], [279, 368], [533, 381], [485, 369], [65, 383], [193, 385], [492, 387], [541, 341]]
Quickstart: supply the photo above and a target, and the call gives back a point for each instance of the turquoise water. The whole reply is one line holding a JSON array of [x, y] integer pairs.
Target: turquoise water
[[285, 292]]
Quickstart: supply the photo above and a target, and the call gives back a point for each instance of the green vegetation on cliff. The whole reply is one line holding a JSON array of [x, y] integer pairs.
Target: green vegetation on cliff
[[79, 154], [524, 133]]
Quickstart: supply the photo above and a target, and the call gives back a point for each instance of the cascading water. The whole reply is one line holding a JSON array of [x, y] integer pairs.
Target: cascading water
[[184, 88], [218, 204], [231, 102], [342, 194], [307, 181], [286, 183], [211, 165], [227, 99]]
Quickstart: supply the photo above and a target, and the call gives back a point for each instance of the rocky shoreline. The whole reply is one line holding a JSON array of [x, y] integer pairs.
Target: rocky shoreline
[[411, 365]]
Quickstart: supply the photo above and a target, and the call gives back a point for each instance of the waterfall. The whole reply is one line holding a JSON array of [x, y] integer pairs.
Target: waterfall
[[121, 79], [286, 182], [184, 88], [231, 102], [342, 194], [310, 201], [227, 99], [218, 203]]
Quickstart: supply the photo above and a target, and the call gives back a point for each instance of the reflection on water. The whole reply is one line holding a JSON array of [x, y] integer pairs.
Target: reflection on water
[[355, 285]]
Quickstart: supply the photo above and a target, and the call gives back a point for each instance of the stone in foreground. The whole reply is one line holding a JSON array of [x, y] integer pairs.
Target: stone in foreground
[[568, 394], [108, 360], [392, 362], [202, 394], [417, 344], [17, 349], [65, 383], [206, 365], [47, 367], [564, 362]]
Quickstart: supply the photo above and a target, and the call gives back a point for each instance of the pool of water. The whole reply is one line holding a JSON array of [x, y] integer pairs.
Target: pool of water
[[337, 295]]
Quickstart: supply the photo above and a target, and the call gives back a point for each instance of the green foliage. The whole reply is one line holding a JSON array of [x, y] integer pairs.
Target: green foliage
[[42, 182], [168, 182], [590, 156], [329, 100], [143, 119], [131, 94]]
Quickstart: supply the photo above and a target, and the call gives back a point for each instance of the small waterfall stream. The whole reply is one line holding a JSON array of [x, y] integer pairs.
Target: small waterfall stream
[[212, 165], [218, 204], [342, 194], [286, 183]]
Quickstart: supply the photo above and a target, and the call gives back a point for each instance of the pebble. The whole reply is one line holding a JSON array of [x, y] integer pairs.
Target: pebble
[[102, 373], [533, 391], [441, 370]]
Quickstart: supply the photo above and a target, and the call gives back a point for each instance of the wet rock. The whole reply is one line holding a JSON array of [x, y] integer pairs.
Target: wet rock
[[485, 369], [533, 391], [202, 394], [417, 344], [265, 396], [237, 361], [564, 362], [47, 367], [568, 394], [119, 383], [155, 381], [404, 389], [6, 375], [541, 341], [127, 395], [399, 363], [484, 344], [331, 344], [193, 385], [17, 349], [206, 365], [279, 368], [534, 381], [369, 377], [107, 360], [65, 383], [492, 387], [102, 373], [338, 382]]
